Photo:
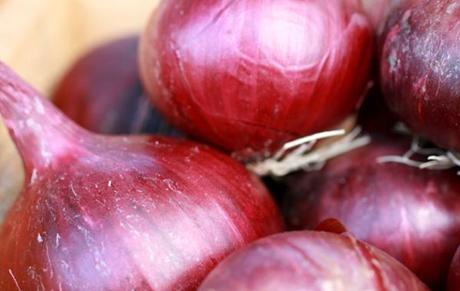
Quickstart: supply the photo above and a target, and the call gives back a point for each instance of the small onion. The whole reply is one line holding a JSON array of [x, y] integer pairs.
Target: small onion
[[249, 76], [314, 261], [102, 91], [420, 71], [119, 213], [411, 214]]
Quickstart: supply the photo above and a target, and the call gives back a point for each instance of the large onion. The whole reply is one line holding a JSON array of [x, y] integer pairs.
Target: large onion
[[250, 75], [119, 213], [420, 74]]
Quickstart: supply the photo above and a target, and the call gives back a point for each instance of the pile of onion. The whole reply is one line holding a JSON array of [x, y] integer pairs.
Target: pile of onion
[[119, 213], [419, 69], [102, 91], [411, 214], [314, 261], [249, 76]]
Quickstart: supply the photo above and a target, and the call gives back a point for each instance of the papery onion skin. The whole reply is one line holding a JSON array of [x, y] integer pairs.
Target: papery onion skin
[[419, 70], [102, 91], [119, 213], [310, 261], [453, 283], [409, 213], [249, 76]]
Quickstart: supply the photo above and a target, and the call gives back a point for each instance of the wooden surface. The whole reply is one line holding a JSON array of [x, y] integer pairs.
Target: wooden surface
[[40, 38]]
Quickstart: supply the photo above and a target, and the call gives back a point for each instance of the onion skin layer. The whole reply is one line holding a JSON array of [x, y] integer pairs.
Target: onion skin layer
[[409, 213], [419, 71], [103, 92], [119, 213], [249, 76], [313, 261]]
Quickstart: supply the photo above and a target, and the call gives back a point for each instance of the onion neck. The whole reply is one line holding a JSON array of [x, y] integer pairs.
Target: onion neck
[[41, 132]]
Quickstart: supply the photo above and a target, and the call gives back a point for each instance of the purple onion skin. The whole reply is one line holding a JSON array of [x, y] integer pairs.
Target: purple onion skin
[[119, 213], [412, 214], [102, 92], [419, 71], [453, 283], [249, 76], [313, 261]]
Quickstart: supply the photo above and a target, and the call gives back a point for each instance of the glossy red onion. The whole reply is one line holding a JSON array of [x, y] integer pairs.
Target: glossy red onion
[[102, 91], [411, 214], [250, 75], [310, 261], [119, 213], [419, 69], [453, 283]]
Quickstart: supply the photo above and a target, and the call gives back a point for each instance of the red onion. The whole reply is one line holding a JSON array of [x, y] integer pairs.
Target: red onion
[[119, 213], [420, 72], [103, 93], [310, 261], [411, 214], [251, 75], [454, 273]]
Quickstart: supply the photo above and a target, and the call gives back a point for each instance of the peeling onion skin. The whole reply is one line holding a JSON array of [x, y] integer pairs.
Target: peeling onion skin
[[103, 92], [419, 70], [249, 76], [409, 213], [453, 283], [313, 261], [119, 213]]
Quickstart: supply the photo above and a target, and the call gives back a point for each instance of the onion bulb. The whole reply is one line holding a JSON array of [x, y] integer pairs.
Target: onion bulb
[[119, 213], [249, 76], [420, 71], [314, 261], [102, 91]]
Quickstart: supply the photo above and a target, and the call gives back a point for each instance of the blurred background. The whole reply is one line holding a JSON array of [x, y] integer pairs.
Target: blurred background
[[41, 38]]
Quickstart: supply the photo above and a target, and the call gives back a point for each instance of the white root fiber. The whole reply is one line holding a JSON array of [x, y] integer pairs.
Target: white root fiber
[[435, 158], [311, 152]]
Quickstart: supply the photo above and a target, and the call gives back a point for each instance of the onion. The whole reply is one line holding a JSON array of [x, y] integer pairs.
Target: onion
[[249, 76], [420, 72], [454, 273], [103, 93], [310, 261], [411, 214], [119, 213]]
